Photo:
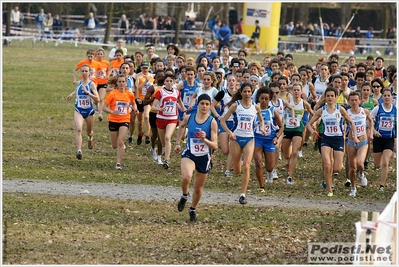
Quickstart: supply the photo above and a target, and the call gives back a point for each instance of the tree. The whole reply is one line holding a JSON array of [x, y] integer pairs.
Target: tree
[[109, 23], [8, 22], [180, 10]]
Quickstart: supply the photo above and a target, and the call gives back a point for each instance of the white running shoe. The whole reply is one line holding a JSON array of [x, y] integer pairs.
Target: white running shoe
[[227, 173], [363, 179], [154, 154], [159, 160], [269, 177], [274, 174], [300, 155], [353, 192]]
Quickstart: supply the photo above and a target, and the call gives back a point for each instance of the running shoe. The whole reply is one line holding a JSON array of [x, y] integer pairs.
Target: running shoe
[[166, 164], [154, 154], [147, 140], [181, 204], [335, 174], [305, 144], [130, 140], [262, 190], [353, 192], [363, 179], [316, 146], [300, 155], [100, 117], [366, 165], [274, 174], [227, 173], [348, 182], [269, 177], [242, 200], [159, 160], [289, 180], [324, 185], [139, 139], [381, 189], [90, 142], [79, 155], [193, 215], [330, 194], [118, 166]]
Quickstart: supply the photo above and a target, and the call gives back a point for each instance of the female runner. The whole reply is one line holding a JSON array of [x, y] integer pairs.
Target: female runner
[[202, 138], [102, 74], [117, 104], [332, 142], [242, 136], [86, 93]]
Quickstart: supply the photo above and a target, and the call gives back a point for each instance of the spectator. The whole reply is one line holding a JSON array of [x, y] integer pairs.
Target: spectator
[[4, 16], [57, 25], [332, 30], [239, 27], [326, 29], [316, 33], [15, 17], [123, 26], [119, 45], [299, 29], [256, 36], [188, 26], [369, 35], [48, 25], [169, 27], [290, 28], [91, 23], [223, 36], [39, 21], [338, 32]]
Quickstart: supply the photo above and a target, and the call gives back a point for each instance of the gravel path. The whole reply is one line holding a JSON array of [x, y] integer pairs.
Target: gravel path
[[172, 194]]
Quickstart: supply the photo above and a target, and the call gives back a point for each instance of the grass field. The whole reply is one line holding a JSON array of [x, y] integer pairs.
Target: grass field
[[38, 143]]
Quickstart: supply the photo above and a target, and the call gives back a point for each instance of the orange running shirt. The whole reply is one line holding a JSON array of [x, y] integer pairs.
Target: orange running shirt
[[141, 78], [115, 66], [101, 78], [94, 67], [120, 101]]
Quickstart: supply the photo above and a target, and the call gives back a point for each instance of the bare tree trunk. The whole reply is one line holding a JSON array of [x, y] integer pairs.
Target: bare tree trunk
[[8, 22], [110, 16], [180, 13], [88, 7], [303, 13], [345, 13], [387, 20], [283, 14]]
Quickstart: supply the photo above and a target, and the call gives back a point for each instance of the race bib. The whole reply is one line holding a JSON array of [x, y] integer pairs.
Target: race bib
[[84, 101], [292, 122], [331, 128], [360, 129], [267, 128], [198, 147], [187, 98], [170, 108], [122, 107], [386, 123]]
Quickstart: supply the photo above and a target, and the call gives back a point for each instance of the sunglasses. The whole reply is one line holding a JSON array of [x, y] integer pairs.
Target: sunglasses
[[376, 86]]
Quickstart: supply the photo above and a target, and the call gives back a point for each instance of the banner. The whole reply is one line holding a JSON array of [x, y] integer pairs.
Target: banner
[[345, 45]]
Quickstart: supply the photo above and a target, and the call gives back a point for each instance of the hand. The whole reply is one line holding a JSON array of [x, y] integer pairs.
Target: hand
[[116, 112], [377, 134], [232, 136], [189, 108], [69, 97], [355, 141], [263, 132], [275, 140], [139, 101], [371, 137], [177, 148], [75, 82]]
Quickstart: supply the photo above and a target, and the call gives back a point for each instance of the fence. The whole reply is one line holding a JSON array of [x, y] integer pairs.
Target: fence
[[297, 43], [381, 230]]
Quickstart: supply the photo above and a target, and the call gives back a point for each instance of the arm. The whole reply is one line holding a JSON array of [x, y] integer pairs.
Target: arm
[[288, 105], [213, 143], [308, 108], [148, 99], [180, 134], [180, 86], [279, 122], [94, 96], [310, 127], [312, 92], [231, 110], [320, 102], [181, 105], [261, 121], [353, 126], [213, 109], [370, 123], [75, 81], [69, 97], [192, 101]]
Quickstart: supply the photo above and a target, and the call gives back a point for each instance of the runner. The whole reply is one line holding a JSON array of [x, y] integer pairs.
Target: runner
[[332, 142], [117, 104], [102, 74], [86, 93], [357, 154], [165, 102], [266, 145], [385, 117], [242, 136], [202, 138]]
